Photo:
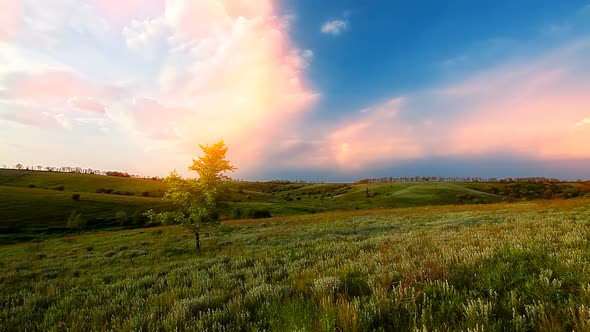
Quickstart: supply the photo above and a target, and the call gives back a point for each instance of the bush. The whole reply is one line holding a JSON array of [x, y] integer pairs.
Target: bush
[[76, 197], [238, 213], [145, 194], [60, 188], [121, 218], [76, 222], [32, 186], [139, 218], [260, 213]]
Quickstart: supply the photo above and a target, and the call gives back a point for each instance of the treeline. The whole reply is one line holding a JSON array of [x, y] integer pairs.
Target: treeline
[[282, 181], [79, 170], [536, 179]]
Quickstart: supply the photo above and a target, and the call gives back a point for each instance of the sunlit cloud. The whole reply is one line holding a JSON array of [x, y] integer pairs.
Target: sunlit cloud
[[162, 76], [178, 73], [521, 108]]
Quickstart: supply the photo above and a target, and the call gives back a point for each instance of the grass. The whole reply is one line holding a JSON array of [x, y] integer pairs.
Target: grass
[[29, 213], [79, 182], [32, 208], [496, 267]]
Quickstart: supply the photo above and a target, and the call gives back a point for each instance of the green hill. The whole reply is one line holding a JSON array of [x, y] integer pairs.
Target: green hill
[[36, 203], [79, 182], [28, 213]]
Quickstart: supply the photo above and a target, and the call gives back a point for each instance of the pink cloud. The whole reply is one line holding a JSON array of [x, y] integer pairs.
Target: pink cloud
[[537, 109], [87, 104], [10, 18], [57, 86], [377, 135], [232, 73], [374, 136], [48, 86]]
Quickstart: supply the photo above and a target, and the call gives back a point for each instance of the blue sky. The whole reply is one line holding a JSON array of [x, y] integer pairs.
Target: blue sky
[[330, 90]]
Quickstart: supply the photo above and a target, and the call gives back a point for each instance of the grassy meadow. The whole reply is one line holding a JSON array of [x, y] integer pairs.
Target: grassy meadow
[[35, 205], [497, 267]]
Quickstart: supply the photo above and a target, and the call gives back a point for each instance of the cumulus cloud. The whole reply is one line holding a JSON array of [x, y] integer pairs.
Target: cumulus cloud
[[217, 69], [335, 27], [232, 70]]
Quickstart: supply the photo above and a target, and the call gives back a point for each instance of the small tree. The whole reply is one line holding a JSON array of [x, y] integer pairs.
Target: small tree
[[196, 200], [76, 222]]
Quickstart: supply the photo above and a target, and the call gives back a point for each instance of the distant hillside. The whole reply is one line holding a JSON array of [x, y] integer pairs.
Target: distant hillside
[[80, 182], [37, 203]]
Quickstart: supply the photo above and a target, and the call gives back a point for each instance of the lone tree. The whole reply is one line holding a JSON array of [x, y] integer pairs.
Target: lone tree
[[196, 199]]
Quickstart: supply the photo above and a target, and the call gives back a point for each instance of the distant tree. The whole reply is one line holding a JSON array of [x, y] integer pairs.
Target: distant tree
[[196, 199], [76, 222], [19, 166]]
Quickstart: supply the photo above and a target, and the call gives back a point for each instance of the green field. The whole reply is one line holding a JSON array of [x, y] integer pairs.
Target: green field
[[78, 182], [36, 205], [497, 267]]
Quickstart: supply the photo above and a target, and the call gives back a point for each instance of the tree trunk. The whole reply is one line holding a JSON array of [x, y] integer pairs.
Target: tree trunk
[[197, 241]]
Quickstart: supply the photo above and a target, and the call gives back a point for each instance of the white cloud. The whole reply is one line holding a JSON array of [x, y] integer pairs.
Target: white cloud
[[335, 27], [146, 36]]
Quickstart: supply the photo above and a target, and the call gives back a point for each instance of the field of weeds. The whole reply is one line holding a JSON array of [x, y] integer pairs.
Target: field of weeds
[[497, 267]]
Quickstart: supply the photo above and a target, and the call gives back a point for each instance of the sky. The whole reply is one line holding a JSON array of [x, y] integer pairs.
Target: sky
[[315, 90]]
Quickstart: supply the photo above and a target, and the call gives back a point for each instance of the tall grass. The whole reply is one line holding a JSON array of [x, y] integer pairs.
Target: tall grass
[[497, 267]]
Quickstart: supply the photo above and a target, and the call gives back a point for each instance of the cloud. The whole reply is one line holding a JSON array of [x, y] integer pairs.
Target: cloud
[[216, 69], [128, 10], [335, 27], [86, 104], [229, 70], [519, 108], [582, 123], [11, 15], [146, 36]]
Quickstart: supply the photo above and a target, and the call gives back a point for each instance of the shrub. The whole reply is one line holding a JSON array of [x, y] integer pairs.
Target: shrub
[[76, 222], [76, 197], [32, 186], [260, 213], [140, 218], [145, 194], [60, 188], [121, 218], [250, 213]]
